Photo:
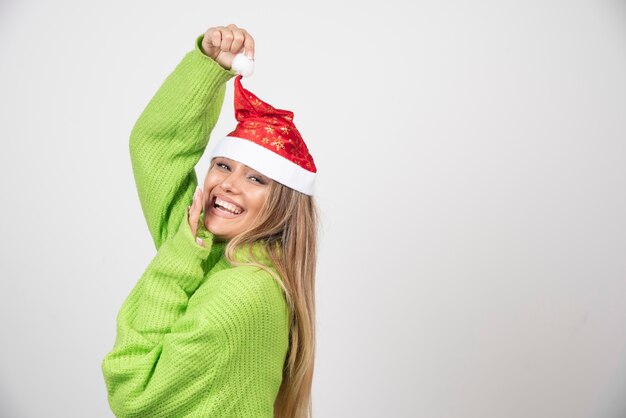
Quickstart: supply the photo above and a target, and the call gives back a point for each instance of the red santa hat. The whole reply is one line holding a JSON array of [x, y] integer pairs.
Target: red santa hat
[[267, 140]]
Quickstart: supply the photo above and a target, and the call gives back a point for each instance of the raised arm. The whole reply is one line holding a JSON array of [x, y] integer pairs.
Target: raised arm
[[171, 135]]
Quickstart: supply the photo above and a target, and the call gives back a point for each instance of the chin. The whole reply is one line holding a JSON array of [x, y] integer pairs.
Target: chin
[[218, 232]]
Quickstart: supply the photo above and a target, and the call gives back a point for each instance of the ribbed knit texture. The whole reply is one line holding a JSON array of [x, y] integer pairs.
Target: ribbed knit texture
[[196, 337]]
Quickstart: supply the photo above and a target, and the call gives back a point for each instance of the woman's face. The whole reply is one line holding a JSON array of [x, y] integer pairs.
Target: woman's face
[[233, 196]]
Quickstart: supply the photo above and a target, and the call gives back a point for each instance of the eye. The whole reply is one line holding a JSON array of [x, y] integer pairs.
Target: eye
[[222, 165], [257, 179]]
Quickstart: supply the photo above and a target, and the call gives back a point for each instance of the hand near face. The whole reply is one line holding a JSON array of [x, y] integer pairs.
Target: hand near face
[[194, 213], [222, 44]]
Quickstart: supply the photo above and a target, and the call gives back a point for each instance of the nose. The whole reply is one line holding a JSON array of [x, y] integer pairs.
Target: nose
[[230, 182]]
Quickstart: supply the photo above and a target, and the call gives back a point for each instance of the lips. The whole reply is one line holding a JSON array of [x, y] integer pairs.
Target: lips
[[221, 203], [225, 207]]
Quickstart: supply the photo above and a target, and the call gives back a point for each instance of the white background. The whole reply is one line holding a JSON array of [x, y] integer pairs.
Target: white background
[[472, 183]]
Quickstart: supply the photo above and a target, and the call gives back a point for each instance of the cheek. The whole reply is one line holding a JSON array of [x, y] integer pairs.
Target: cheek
[[210, 181], [257, 200]]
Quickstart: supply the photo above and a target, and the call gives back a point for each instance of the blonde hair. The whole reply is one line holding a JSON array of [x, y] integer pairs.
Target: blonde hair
[[287, 227]]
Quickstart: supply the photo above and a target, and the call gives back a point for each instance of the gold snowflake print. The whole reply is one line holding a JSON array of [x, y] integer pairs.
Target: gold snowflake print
[[269, 129], [278, 144], [285, 130], [265, 140]]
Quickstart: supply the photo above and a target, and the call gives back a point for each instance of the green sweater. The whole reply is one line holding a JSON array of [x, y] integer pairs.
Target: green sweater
[[196, 336]]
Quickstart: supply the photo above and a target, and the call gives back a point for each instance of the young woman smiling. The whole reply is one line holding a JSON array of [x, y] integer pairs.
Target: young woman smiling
[[237, 194], [222, 321]]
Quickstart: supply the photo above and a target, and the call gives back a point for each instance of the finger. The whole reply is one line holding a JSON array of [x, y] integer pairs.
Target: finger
[[200, 200], [215, 36], [248, 44], [197, 199], [200, 206], [193, 224], [227, 39], [238, 38], [194, 212]]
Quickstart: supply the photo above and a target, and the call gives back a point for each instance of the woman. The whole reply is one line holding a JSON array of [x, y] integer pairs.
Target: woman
[[222, 322]]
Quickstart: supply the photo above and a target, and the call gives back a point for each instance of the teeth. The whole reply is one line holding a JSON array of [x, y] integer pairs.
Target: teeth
[[228, 206]]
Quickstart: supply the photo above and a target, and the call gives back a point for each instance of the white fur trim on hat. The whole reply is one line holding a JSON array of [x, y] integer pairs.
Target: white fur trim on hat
[[267, 162]]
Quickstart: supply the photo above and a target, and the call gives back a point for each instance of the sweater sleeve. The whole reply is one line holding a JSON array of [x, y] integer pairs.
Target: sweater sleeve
[[188, 347], [170, 136]]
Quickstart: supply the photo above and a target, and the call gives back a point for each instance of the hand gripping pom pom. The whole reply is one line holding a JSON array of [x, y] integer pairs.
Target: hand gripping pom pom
[[242, 65]]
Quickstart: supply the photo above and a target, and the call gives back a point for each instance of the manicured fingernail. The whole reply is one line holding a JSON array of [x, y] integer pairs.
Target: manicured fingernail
[[199, 241]]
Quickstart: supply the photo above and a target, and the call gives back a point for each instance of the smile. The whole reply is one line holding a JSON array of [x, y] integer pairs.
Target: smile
[[226, 207]]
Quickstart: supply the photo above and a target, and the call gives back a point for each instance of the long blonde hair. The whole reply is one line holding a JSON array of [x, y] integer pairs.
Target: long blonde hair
[[287, 226]]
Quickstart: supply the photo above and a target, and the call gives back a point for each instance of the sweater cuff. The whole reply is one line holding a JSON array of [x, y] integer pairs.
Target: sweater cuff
[[222, 73], [185, 240]]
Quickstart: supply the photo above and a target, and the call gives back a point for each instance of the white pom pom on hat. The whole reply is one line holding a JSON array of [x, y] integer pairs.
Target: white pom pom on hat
[[243, 65]]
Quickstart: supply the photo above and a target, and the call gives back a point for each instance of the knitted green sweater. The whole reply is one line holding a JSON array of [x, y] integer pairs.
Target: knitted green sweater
[[196, 336]]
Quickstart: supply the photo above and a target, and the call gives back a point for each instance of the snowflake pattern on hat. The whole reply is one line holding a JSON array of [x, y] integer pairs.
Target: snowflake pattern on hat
[[269, 127], [267, 140]]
